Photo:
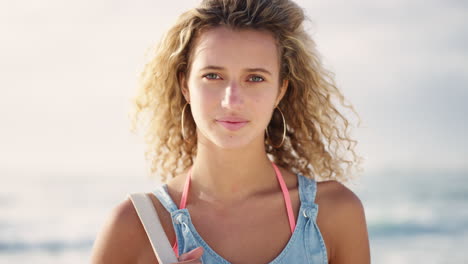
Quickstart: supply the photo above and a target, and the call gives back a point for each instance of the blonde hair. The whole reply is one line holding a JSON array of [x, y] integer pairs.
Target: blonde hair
[[316, 131]]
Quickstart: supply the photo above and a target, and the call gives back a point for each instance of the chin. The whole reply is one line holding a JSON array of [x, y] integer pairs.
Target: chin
[[220, 138], [226, 141], [231, 142]]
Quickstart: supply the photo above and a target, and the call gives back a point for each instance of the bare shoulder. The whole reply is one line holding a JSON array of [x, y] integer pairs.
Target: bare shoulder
[[121, 238], [342, 218], [338, 194]]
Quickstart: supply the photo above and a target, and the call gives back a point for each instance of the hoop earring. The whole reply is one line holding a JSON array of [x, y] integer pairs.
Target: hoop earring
[[284, 131], [182, 121]]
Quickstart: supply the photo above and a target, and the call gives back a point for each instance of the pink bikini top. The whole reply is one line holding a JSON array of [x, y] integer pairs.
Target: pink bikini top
[[287, 200]]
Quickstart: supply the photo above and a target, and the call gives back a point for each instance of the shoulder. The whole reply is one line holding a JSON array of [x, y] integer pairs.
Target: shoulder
[[121, 237], [337, 194], [342, 216]]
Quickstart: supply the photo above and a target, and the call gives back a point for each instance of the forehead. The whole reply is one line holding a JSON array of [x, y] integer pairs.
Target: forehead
[[222, 46]]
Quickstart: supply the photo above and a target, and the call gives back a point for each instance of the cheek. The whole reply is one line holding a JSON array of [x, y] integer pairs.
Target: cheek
[[205, 98], [204, 102], [264, 99], [261, 107], [201, 92]]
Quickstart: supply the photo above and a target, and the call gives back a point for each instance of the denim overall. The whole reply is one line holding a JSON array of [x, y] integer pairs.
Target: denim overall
[[306, 245]]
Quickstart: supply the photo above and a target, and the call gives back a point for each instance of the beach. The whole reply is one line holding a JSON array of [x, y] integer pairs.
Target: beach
[[412, 215]]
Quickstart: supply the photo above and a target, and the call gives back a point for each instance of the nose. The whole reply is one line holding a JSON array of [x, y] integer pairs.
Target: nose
[[232, 96]]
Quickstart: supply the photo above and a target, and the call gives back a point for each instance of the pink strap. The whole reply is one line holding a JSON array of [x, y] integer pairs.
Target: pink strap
[[183, 201], [287, 198], [176, 248]]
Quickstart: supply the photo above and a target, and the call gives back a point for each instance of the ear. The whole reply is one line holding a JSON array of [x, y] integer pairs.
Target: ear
[[282, 91], [184, 87]]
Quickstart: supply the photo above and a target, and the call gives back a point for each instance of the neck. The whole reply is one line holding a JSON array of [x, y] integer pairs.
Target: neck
[[221, 176]]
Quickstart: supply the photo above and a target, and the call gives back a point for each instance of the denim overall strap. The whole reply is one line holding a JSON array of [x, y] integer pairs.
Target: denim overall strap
[[179, 216], [307, 192], [316, 250], [163, 195]]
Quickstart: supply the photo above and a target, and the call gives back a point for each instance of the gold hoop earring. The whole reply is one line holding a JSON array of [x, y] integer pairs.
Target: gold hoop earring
[[182, 121], [284, 131]]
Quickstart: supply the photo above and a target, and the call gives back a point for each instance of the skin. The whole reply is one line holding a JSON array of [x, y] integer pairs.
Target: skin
[[234, 192]]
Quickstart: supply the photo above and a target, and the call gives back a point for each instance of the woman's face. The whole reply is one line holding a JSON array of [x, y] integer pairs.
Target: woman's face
[[233, 86]]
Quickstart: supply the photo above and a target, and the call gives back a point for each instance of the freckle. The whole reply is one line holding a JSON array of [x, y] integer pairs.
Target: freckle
[[234, 188]]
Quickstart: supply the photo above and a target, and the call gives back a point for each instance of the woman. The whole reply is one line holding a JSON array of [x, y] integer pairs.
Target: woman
[[241, 127]]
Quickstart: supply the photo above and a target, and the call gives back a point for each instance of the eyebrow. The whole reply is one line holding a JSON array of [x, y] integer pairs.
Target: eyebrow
[[212, 67]]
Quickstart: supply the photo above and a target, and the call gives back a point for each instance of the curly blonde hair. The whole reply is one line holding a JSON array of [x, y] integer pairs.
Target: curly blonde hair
[[317, 139]]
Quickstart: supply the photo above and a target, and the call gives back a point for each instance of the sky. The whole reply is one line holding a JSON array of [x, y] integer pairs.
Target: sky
[[68, 70]]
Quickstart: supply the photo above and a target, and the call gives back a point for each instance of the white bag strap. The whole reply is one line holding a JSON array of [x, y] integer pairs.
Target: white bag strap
[[150, 220]]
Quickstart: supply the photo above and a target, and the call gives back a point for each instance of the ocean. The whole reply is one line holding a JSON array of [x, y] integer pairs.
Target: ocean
[[413, 216]]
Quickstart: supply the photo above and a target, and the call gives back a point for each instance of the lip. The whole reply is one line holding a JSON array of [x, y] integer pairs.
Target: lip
[[232, 119], [232, 123]]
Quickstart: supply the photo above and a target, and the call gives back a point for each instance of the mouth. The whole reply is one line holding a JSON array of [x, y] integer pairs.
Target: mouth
[[232, 125]]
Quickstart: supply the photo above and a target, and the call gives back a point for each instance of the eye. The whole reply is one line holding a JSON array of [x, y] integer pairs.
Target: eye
[[256, 78], [211, 76]]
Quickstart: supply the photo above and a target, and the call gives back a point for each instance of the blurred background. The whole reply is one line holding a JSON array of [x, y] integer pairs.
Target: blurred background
[[69, 68]]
